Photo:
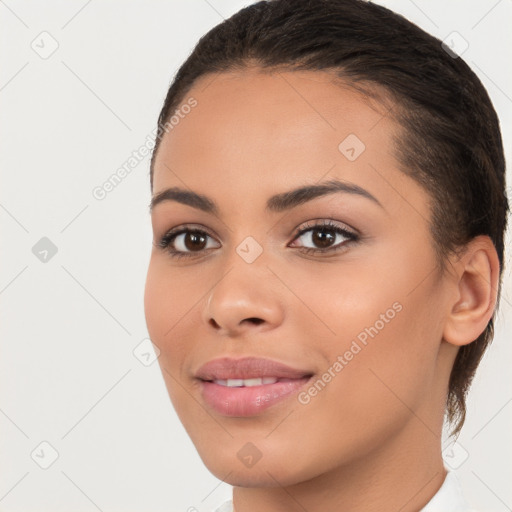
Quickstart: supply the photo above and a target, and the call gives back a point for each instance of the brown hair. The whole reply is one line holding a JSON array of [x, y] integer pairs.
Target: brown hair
[[451, 142]]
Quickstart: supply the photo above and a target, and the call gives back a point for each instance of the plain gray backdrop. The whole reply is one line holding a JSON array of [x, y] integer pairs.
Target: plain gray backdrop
[[85, 420]]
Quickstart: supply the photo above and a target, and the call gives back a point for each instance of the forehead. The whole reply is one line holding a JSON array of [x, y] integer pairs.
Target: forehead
[[259, 131], [298, 106]]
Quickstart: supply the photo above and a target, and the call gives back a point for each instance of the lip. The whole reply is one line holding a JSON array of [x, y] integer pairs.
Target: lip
[[248, 368], [248, 401]]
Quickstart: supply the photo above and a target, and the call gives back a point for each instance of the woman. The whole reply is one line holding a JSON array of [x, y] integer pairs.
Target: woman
[[328, 212]]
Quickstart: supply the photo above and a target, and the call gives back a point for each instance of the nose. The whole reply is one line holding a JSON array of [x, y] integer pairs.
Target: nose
[[246, 298]]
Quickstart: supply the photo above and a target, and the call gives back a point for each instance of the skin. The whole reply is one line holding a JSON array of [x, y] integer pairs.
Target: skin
[[371, 439]]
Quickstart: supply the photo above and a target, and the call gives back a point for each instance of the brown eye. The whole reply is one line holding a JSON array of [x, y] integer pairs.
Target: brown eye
[[193, 240], [324, 237], [186, 242]]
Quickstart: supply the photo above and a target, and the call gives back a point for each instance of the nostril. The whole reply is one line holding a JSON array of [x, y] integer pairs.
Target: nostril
[[256, 321], [214, 323]]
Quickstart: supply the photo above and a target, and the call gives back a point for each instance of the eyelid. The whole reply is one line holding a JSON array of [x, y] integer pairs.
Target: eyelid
[[310, 224], [184, 228], [351, 235], [327, 222]]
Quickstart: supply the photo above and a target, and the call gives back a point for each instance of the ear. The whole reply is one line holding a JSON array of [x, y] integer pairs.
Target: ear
[[476, 290]]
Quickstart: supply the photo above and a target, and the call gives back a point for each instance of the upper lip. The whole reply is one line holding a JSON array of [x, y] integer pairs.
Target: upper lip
[[248, 368]]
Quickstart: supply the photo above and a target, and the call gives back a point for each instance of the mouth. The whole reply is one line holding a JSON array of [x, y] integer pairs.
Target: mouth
[[233, 398], [249, 386], [249, 383]]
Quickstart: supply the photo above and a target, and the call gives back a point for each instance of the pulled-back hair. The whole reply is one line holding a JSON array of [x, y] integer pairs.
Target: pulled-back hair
[[450, 140]]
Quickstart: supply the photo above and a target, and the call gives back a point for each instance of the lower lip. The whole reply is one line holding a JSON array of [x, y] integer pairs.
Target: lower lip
[[248, 401]]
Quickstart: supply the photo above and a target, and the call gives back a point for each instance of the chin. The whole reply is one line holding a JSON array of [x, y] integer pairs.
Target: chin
[[253, 477], [269, 471]]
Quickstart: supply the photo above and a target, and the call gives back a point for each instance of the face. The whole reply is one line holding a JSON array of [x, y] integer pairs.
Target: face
[[337, 284]]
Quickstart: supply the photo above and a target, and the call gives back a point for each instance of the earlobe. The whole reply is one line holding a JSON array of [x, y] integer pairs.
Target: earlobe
[[477, 290]]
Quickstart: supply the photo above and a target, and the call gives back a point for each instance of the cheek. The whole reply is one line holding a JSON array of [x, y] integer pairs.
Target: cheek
[[155, 303], [347, 300], [387, 365], [386, 334], [161, 315], [166, 300], [377, 388], [171, 318]]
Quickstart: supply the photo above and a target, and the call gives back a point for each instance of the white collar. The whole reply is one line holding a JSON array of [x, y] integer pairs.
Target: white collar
[[449, 498]]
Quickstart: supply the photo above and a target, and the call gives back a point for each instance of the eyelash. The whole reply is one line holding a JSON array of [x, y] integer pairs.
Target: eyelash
[[169, 237]]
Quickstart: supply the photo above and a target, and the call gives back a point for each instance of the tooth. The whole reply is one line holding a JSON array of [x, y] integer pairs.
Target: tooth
[[252, 382], [235, 382]]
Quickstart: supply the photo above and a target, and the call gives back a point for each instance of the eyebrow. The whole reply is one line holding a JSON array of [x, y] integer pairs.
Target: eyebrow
[[277, 203]]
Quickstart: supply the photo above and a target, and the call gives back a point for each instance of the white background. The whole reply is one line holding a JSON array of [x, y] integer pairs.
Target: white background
[[69, 326]]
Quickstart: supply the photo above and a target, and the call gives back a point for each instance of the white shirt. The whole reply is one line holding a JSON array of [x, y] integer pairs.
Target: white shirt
[[449, 498]]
